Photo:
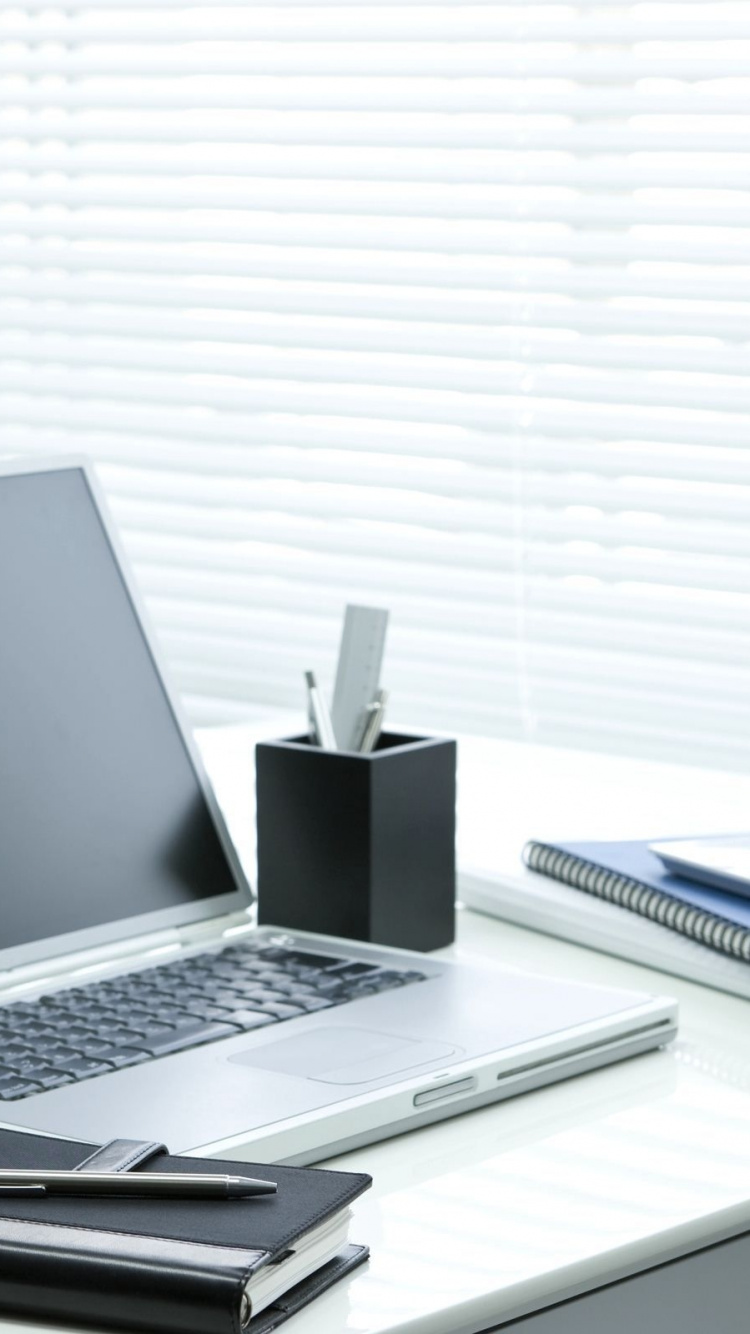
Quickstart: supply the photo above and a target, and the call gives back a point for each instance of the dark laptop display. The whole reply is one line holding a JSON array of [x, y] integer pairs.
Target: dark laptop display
[[103, 820], [101, 816]]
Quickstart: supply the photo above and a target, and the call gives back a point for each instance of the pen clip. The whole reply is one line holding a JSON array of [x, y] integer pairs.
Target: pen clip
[[30, 1191]]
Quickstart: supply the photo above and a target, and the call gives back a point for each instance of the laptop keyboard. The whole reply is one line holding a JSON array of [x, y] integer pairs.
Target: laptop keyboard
[[121, 1021]]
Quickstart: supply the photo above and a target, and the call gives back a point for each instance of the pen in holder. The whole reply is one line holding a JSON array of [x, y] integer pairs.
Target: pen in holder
[[360, 845]]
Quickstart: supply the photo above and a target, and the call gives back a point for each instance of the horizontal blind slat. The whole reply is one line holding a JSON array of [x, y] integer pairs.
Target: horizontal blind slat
[[529, 341], [95, 128], [717, 246], [114, 394], [686, 60], [513, 6], [205, 309], [188, 592], [482, 274], [376, 23], [686, 570], [573, 471], [332, 199], [503, 166], [316, 380], [397, 93]]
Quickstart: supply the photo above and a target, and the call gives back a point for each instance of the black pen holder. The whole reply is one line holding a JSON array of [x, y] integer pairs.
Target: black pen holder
[[361, 846]]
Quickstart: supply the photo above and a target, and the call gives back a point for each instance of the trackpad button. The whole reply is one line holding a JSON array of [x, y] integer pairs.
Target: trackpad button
[[344, 1055]]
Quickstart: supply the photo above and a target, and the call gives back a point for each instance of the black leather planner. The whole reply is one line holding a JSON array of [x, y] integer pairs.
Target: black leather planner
[[176, 1266]]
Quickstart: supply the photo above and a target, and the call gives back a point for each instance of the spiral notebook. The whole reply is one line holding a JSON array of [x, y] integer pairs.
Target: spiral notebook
[[630, 876]]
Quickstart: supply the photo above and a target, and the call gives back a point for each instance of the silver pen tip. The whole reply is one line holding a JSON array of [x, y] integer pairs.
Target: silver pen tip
[[245, 1186]]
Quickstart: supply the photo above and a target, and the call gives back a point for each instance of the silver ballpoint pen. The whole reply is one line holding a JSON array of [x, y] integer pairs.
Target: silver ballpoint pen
[[373, 726], [164, 1185], [320, 715]]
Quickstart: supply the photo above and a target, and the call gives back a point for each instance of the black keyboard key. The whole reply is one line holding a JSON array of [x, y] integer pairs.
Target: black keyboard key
[[244, 989], [110, 1031], [52, 1079], [120, 1057], [281, 986], [188, 1037], [30, 1030], [222, 973], [249, 1019], [130, 1036], [92, 1047], [62, 1056], [300, 988], [49, 1041], [355, 970], [388, 978], [89, 1010], [170, 1014], [330, 985], [19, 1088], [256, 997], [9, 1078], [54, 1013], [235, 988], [301, 958], [50, 1050], [75, 1031], [282, 1010], [221, 1013], [151, 1030], [26, 1065], [308, 1004], [113, 1037], [83, 1067], [17, 1049], [229, 998]]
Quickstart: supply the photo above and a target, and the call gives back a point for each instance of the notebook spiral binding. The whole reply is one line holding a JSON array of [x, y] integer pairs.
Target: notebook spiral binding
[[704, 927]]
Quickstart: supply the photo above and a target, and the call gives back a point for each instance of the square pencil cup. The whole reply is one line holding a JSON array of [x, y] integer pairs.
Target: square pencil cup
[[359, 845]]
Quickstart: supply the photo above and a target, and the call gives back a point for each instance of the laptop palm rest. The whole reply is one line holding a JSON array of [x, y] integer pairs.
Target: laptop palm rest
[[344, 1055]]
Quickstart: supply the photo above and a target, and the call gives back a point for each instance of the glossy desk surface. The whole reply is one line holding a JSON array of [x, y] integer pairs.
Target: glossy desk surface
[[494, 1213], [483, 1217]]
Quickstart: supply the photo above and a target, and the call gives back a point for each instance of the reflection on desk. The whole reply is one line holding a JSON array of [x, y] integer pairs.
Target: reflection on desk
[[474, 1221], [526, 1203]]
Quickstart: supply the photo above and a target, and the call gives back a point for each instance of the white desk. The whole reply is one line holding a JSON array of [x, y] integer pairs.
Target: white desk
[[476, 1220], [517, 1207]]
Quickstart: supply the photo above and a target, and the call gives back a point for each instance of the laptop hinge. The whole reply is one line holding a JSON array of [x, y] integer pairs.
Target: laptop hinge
[[231, 924], [87, 962]]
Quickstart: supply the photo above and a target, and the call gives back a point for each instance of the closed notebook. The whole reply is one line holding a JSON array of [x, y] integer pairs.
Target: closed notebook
[[632, 877], [173, 1266]]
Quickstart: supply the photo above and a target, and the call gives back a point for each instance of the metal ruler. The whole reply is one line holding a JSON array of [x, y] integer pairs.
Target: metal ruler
[[358, 672]]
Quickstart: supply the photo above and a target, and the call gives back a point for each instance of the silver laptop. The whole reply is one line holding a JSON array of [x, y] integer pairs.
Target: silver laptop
[[136, 998]]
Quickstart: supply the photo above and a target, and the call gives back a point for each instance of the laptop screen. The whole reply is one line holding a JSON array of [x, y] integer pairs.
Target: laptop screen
[[102, 816]]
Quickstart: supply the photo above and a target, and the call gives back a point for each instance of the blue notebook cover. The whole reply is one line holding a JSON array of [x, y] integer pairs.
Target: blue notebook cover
[[633, 859]]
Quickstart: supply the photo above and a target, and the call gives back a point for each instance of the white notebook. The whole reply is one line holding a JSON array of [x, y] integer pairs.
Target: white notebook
[[535, 901]]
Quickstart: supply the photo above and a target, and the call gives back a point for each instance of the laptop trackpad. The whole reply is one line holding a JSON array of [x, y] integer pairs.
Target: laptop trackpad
[[344, 1055]]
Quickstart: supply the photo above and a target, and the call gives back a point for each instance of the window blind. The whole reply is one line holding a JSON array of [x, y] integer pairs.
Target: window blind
[[438, 307]]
